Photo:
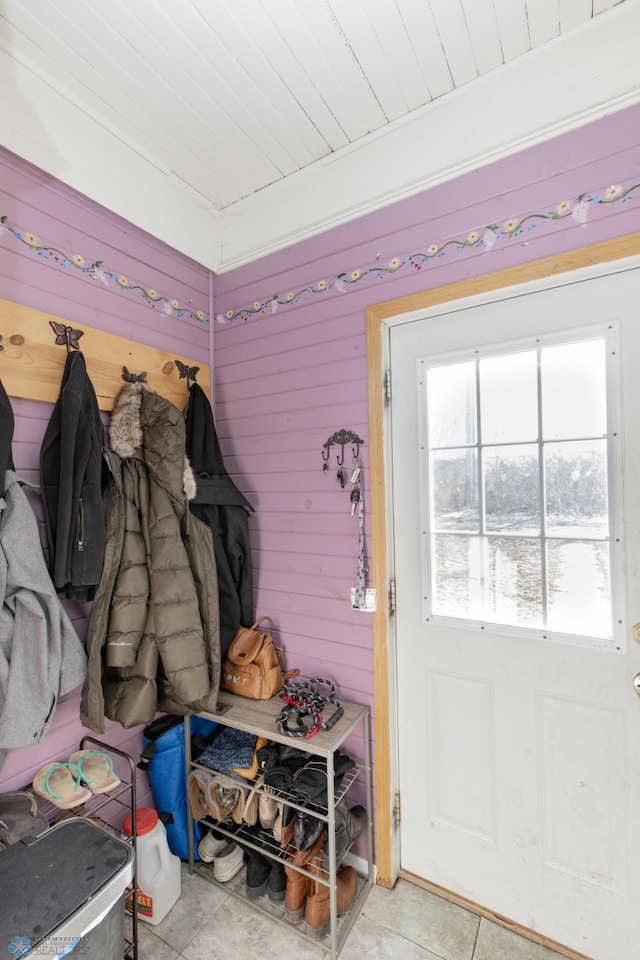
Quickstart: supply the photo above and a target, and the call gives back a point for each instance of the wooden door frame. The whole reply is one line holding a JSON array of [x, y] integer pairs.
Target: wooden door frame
[[377, 322]]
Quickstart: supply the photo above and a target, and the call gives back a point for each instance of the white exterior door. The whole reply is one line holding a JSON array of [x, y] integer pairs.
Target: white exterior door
[[519, 752]]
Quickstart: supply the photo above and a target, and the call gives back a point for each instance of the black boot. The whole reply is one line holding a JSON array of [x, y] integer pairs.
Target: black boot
[[350, 824], [306, 831], [277, 883], [309, 784], [258, 873], [280, 763]]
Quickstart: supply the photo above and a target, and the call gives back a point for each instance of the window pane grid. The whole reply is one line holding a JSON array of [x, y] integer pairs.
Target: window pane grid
[[520, 523]]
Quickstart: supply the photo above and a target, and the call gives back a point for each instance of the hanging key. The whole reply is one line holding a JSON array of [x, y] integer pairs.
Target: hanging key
[[355, 499], [355, 475]]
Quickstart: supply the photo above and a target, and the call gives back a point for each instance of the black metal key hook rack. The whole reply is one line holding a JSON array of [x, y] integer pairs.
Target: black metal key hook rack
[[341, 438], [344, 438]]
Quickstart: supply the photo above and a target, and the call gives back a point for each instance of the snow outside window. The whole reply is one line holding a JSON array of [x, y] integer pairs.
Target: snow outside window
[[519, 469]]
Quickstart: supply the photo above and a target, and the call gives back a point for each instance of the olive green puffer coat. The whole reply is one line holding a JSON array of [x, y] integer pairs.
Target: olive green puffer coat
[[154, 641]]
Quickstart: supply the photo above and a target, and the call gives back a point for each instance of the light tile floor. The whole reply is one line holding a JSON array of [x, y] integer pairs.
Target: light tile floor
[[406, 923]]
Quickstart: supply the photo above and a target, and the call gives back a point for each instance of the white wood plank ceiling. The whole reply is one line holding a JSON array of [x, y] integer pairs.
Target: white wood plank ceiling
[[242, 105]]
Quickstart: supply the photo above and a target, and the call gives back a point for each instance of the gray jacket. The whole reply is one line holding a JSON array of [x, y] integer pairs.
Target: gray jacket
[[41, 656]]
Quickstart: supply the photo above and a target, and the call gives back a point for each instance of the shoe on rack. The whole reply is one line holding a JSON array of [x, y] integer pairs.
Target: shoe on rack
[[267, 811], [296, 894], [298, 885], [317, 911], [250, 812], [306, 830], [228, 862], [258, 871], [280, 764], [277, 883], [210, 846], [287, 825], [309, 784], [350, 824], [277, 826]]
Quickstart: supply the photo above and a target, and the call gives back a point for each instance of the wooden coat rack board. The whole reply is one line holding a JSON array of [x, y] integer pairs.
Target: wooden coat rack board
[[31, 362]]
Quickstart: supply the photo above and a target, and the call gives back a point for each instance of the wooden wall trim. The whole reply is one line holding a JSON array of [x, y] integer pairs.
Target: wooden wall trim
[[377, 314], [379, 579], [603, 252], [31, 363]]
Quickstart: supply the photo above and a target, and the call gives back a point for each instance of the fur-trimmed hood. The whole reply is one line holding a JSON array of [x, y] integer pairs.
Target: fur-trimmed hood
[[147, 426], [125, 431]]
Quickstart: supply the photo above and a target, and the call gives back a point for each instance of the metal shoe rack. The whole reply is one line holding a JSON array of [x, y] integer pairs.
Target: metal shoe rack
[[258, 717]]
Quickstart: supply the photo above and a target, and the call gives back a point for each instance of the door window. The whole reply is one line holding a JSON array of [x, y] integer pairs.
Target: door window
[[520, 485]]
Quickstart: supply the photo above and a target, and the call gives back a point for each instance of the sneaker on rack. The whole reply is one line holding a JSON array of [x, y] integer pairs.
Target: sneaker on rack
[[228, 862], [210, 846]]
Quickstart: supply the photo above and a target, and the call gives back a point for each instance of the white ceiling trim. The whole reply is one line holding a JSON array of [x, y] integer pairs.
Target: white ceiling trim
[[549, 91], [571, 80], [51, 127]]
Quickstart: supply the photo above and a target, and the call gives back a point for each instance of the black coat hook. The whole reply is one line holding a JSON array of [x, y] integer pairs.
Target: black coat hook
[[188, 372], [66, 335], [134, 377]]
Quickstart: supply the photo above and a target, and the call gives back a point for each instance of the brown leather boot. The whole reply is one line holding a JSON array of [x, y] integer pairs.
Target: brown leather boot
[[287, 827], [317, 912], [298, 884], [295, 896]]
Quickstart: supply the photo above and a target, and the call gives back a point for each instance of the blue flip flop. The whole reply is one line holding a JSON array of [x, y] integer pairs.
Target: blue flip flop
[[56, 783], [95, 769]]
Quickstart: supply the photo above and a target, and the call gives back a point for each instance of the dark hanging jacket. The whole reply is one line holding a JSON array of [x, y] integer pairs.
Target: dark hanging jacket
[[6, 435], [71, 472], [225, 510]]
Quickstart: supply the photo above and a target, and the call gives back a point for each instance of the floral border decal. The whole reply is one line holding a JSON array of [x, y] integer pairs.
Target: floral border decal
[[484, 238], [97, 271]]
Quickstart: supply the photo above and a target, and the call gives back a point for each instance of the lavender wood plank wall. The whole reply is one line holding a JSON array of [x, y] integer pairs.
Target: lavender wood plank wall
[[287, 379], [57, 216]]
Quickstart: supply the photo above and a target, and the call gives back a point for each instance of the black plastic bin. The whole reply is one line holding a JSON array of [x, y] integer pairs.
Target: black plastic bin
[[63, 893]]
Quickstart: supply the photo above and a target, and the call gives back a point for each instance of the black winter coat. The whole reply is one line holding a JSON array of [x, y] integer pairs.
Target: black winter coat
[[71, 475], [6, 435], [225, 510]]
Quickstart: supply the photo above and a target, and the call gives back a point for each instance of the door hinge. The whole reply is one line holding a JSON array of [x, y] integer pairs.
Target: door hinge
[[387, 386], [396, 809], [392, 596]]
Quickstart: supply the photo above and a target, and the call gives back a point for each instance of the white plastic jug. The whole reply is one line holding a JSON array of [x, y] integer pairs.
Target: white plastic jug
[[158, 870]]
